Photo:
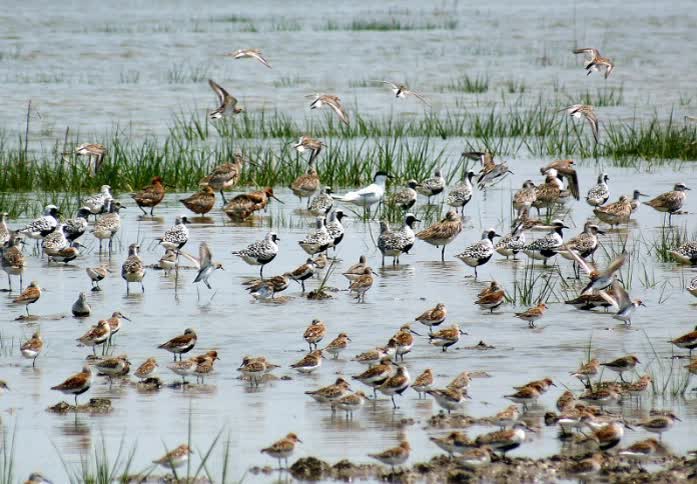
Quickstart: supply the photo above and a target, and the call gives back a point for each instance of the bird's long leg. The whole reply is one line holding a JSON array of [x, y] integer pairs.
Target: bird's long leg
[[143, 210], [152, 211], [442, 254], [223, 196]]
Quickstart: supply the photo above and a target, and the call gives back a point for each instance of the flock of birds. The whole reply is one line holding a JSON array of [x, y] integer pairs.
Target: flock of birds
[[58, 240]]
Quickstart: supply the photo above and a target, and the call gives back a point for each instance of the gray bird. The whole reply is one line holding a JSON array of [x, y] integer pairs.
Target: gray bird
[[207, 266]]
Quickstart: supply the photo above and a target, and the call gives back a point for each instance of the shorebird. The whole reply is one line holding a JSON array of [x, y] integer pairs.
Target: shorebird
[[200, 202], [621, 365], [586, 111], [302, 273], [635, 200], [307, 143], [76, 384], [606, 436], [150, 196], [12, 259], [227, 103], [492, 299], [133, 270], [377, 374], [585, 468], [306, 185], [148, 369], [95, 336], [226, 175], [565, 169], [686, 253], [625, 306], [29, 296], [115, 324], [335, 228], [615, 213], [504, 440], [39, 228], [432, 186], [54, 242], [423, 382], [37, 478], [4, 230], [586, 371], [175, 458], [687, 341], [396, 384], [176, 236], [356, 270], [315, 333], [642, 450], [476, 457], [261, 252], [526, 196], [331, 393], [479, 253], [491, 172], [532, 314], [372, 357], [350, 403], [206, 265], [443, 232], [599, 194], [74, 228], [181, 344], [81, 308], [525, 396], [454, 442], [282, 449], [402, 91], [670, 202], [108, 225], [242, 206], [332, 101], [368, 196], [183, 368], [461, 194], [507, 417], [322, 203], [362, 284], [446, 337], [337, 345], [513, 243], [595, 62], [406, 197], [98, 203], [32, 348], [318, 240], [550, 193], [249, 53], [395, 243], [433, 317], [309, 363], [114, 366], [403, 341], [583, 245], [395, 456], [267, 289], [93, 151], [549, 245]]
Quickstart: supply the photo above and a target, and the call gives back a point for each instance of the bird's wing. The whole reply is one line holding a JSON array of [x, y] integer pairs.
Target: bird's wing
[[616, 264], [193, 259], [620, 293], [593, 121], [204, 254], [257, 55], [420, 97], [219, 91], [590, 52], [572, 179], [582, 263], [339, 110], [391, 84]]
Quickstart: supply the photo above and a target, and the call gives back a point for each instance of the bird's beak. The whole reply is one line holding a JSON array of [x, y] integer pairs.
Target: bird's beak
[[125, 317], [278, 199], [601, 232], [643, 195], [83, 246], [462, 332], [168, 185], [626, 425], [642, 304], [375, 273], [417, 220], [553, 384], [497, 235], [676, 418], [414, 332], [300, 441], [565, 226], [391, 177], [349, 338]]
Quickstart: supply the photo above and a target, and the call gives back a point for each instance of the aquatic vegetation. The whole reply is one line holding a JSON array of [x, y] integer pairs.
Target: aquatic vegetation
[[392, 23], [7, 459], [182, 73], [478, 84]]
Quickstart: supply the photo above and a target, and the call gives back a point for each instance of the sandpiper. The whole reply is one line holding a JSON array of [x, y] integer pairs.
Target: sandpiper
[[433, 317], [404, 341], [150, 196], [586, 371], [602, 396], [449, 398], [176, 236], [307, 143], [133, 270], [395, 456], [317, 240], [12, 259], [29, 296], [227, 103], [147, 370], [206, 265], [609, 435], [81, 308], [670, 202], [314, 333], [586, 111], [461, 194], [76, 384], [659, 422], [37, 478], [395, 243], [350, 403], [615, 213], [491, 172], [368, 196], [303, 272], [306, 185], [378, 374], [621, 365], [321, 203], [244, 205], [406, 197], [402, 91], [175, 458], [114, 366], [550, 193], [32, 348], [446, 337], [532, 314], [507, 417], [686, 253], [96, 335], [183, 368], [479, 253], [599, 194], [583, 245], [282, 449], [181, 344], [432, 186], [565, 169], [476, 457], [454, 442], [443, 232], [335, 228], [566, 401], [309, 363], [525, 396], [423, 382], [549, 245], [249, 53], [687, 341], [372, 357], [266, 289], [337, 345], [642, 450], [504, 440], [332, 101], [331, 393], [585, 468], [461, 381], [595, 62], [356, 270], [362, 285], [108, 224], [200, 202], [226, 175], [396, 384], [115, 324], [261, 252], [526, 196]]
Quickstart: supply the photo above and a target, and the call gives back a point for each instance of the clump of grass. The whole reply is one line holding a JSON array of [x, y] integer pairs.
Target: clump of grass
[[533, 288], [668, 239], [388, 24], [7, 459], [10, 53], [514, 86], [361, 83], [286, 25], [603, 97], [97, 468], [667, 379], [290, 81], [475, 85], [129, 77], [181, 73]]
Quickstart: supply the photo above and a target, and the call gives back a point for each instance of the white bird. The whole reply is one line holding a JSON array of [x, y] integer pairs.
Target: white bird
[[368, 196], [402, 91], [206, 265], [253, 53]]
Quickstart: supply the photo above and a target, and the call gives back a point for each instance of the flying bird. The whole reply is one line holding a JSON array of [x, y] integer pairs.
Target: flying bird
[[252, 53], [329, 100], [228, 103], [402, 91], [595, 62]]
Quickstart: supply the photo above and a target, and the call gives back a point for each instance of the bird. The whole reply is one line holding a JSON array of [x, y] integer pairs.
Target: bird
[[549, 245], [660, 422], [442, 233], [615, 213], [37, 478], [550, 193], [114, 366], [608, 435], [595, 62], [4, 230], [599, 193], [687, 341], [513, 243], [433, 317], [395, 456], [686, 253], [99, 202], [74, 228], [396, 384], [249, 53], [588, 113], [242, 206], [39, 228], [337, 345], [264, 289], [147, 370], [670, 202], [261, 252], [307, 184], [108, 224], [461, 194], [200, 202], [587, 370], [423, 382], [303, 272], [625, 306], [29, 296], [97, 335], [317, 240], [332, 101], [368, 196], [315, 333], [432, 186], [32, 348], [350, 403], [282, 449], [97, 274], [55, 242], [526, 196], [532, 314], [585, 468], [403, 340], [114, 323], [12, 259], [228, 103], [335, 228], [81, 307], [582, 246], [635, 200], [454, 442], [181, 344], [565, 169], [622, 365], [150, 196], [331, 393], [226, 175], [133, 270], [377, 374], [176, 236], [642, 450], [446, 337], [491, 172], [321, 203], [93, 151], [449, 398], [309, 363], [504, 440], [395, 243], [356, 270], [183, 368], [76, 384], [362, 284], [492, 299], [402, 91], [479, 253], [507, 417], [206, 265], [524, 396], [406, 197], [175, 458], [308, 143]]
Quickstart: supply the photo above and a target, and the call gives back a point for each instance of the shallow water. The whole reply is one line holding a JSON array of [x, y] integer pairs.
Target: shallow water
[[91, 55]]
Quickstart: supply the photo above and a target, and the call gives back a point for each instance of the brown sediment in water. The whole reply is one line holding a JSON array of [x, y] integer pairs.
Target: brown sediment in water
[[95, 405]]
